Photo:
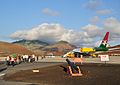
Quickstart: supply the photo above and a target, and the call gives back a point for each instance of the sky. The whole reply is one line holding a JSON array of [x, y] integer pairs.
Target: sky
[[80, 22]]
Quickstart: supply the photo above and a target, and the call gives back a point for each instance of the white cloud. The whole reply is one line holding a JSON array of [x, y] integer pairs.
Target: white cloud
[[92, 4], [112, 24], [87, 36], [95, 19], [50, 12], [92, 30], [103, 12], [53, 33], [45, 32]]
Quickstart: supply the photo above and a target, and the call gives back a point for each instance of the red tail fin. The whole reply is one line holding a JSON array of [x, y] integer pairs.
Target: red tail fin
[[105, 39]]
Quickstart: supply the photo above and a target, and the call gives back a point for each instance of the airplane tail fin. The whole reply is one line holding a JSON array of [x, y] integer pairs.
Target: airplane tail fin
[[105, 40]]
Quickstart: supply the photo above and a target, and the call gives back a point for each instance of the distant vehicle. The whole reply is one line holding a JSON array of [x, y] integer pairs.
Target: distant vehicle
[[89, 51]]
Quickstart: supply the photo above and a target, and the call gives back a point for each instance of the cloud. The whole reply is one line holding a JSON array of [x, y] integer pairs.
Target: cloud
[[103, 12], [45, 32], [112, 24], [55, 32], [92, 4], [92, 30], [78, 38], [86, 36], [95, 20], [50, 12]]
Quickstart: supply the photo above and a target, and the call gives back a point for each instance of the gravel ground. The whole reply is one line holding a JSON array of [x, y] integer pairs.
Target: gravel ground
[[93, 74]]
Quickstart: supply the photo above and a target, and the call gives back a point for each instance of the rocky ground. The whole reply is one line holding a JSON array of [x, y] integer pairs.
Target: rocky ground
[[93, 74]]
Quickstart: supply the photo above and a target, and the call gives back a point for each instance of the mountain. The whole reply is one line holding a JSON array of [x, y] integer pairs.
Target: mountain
[[31, 44], [59, 48], [43, 48], [9, 48]]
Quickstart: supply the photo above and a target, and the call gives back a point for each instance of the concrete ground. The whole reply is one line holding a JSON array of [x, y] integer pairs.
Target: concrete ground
[[23, 66], [113, 60]]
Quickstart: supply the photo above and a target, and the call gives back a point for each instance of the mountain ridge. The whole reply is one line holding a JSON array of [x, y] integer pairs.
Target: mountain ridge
[[58, 48], [30, 42]]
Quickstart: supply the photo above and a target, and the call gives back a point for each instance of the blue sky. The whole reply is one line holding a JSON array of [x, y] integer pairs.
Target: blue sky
[[21, 15]]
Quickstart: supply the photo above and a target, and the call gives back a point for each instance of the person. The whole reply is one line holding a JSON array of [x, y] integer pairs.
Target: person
[[37, 58], [29, 58], [8, 58], [33, 58], [24, 58], [12, 61], [18, 59]]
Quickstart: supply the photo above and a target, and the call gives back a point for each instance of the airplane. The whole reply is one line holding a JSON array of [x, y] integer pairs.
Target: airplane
[[89, 51], [104, 44]]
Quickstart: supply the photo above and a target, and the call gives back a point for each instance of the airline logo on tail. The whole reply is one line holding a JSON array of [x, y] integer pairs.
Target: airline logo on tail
[[104, 44], [105, 39]]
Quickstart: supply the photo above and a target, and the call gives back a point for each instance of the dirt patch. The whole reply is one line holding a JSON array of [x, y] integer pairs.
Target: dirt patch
[[93, 74]]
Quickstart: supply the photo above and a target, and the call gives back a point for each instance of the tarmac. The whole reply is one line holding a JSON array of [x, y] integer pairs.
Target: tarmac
[[23, 66], [112, 60], [45, 62]]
